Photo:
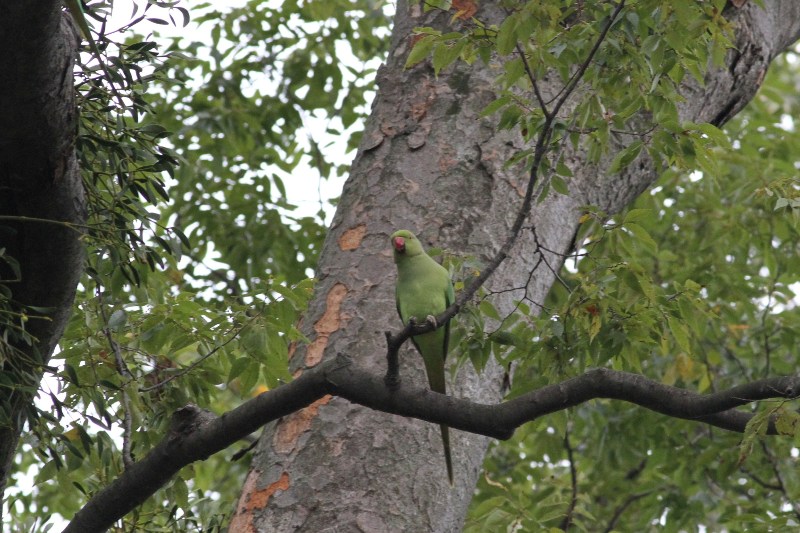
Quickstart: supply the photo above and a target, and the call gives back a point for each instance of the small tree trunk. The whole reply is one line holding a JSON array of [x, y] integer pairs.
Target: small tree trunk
[[429, 163], [39, 179]]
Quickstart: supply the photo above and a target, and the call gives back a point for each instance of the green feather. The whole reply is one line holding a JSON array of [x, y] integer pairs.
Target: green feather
[[424, 289]]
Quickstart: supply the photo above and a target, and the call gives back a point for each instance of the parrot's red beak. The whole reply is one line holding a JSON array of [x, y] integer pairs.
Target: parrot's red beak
[[399, 244]]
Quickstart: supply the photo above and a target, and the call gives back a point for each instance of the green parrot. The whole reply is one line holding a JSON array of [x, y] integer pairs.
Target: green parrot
[[423, 291]]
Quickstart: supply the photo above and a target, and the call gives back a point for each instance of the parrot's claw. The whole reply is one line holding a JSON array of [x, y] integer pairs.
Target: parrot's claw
[[429, 320]]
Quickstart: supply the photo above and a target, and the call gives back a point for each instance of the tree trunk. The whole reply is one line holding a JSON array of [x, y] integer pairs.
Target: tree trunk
[[39, 179], [429, 163]]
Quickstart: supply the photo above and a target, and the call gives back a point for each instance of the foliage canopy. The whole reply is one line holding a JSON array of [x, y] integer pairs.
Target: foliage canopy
[[198, 264]]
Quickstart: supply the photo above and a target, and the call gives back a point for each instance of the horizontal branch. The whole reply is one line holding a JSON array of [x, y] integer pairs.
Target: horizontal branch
[[196, 434]]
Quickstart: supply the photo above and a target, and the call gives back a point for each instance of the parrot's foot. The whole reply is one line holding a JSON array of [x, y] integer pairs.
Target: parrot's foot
[[430, 320], [392, 378]]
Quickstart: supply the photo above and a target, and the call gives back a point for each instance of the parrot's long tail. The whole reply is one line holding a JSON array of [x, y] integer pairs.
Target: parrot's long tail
[[447, 458]]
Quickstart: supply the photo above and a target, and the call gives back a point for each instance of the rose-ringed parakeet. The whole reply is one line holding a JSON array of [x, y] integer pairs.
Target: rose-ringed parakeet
[[423, 291]]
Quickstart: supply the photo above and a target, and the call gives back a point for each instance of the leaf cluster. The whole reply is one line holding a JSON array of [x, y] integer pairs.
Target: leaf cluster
[[695, 285], [253, 110]]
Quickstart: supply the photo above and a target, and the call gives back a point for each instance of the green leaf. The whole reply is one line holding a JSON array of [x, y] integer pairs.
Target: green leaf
[[489, 310], [504, 338], [643, 238], [254, 342], [559, 185], [478, 354], [680, 333], [506, 35], [249, 377], [719, 137], [421, 50], [625, 157], [495, 105], [635, 215], [445, 53], [238, 367], [787, 422], [117, 319]]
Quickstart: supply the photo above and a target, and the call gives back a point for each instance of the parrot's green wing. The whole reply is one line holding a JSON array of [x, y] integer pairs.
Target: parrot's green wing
[[449, 299]]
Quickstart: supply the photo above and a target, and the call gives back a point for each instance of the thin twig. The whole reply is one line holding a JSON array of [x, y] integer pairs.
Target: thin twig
[[573, 472], [122, 368], [532, 78], [762, 483], [621, 509], [554, 271], [576, 77], [69, 225]]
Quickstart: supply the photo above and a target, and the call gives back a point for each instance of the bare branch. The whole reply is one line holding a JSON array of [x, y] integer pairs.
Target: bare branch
[[196, 434]]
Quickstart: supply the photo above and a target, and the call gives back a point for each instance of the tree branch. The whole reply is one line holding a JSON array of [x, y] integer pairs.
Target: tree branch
[[196, 434]]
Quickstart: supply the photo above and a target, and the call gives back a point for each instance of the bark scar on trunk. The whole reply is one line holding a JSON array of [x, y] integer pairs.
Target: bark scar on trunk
[[328, 323], [291, 427]]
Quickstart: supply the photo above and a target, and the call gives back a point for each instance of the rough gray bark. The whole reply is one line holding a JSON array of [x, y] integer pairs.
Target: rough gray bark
[[39, 179], [430, 164]]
